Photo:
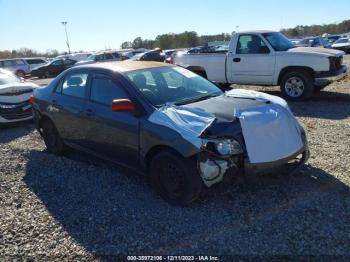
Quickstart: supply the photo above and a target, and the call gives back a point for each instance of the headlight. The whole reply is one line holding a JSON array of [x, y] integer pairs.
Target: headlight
[[228, 147]]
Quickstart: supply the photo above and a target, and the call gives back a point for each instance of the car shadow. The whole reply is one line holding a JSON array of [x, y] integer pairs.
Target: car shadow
[[12, 132], [110, 213]]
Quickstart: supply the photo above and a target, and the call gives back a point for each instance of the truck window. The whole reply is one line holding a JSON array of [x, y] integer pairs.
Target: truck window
[[251, 44]]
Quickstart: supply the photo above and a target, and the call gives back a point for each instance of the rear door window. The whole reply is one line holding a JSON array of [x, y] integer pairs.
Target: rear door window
[[109, 56], [74, 84]]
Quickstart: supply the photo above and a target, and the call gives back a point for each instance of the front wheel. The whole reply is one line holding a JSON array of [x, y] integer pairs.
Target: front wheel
[[52, 139], [297, 86], [175, 178]]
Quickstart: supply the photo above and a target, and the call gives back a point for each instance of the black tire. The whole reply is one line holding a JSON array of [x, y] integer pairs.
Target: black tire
[[175, 178], [297, 86], [20, 73], [52, 139]]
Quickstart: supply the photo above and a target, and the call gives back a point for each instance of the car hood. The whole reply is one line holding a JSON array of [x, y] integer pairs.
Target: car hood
[[316, 50], [341, 45], [264, 121], [17, 92]]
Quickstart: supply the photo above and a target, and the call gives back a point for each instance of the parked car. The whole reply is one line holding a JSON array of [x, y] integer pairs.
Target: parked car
[[52, 68], [295, 41], [342, 44], [175, 126], [34, 62], [14, 98], [101, 57], [149, 56], [311, 42], [75, 56], [269, 58], [17, 66], [330, 39]]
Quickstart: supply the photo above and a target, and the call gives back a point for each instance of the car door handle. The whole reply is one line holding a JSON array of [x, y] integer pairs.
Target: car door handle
[[236, 60], [89, 112]]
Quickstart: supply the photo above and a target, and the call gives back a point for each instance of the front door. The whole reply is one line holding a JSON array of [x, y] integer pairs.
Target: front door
[[253, 62], [112, 134]]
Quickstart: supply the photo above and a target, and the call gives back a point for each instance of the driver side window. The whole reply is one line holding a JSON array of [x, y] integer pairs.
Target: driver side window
[[251, 44], [104, 90]]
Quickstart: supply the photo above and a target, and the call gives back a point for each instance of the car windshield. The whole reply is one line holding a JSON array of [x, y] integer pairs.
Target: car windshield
[[341, 41], [8, 79], [175, 85], [278, 41]]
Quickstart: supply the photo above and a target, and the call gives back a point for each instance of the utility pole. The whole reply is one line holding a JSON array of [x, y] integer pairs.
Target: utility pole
[[64, 23]]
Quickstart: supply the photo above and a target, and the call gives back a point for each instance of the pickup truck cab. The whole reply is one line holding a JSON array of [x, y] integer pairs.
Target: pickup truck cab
[[268, 58]]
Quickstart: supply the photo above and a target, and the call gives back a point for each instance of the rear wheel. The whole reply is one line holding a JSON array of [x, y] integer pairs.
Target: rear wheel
[[297, 86], [52, 139], [175, 178]]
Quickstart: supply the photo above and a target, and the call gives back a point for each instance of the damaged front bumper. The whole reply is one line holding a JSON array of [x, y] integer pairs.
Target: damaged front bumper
[[285, 165], [213, 169]]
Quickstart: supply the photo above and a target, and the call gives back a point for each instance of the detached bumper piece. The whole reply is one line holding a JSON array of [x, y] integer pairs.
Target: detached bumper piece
[[15, 112], [213, 168]]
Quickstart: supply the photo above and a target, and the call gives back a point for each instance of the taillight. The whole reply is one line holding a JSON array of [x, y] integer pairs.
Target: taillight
[[31, 99]]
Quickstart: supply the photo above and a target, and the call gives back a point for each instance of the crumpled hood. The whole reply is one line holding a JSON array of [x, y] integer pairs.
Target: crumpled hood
[[316, 50], [269, 129]]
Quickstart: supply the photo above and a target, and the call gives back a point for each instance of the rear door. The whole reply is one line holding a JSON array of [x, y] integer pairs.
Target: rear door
[[112, 134], [253, 61], [67, 106]]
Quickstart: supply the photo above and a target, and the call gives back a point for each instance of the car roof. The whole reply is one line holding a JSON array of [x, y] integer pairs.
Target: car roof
[[256, 32], [125, 66]]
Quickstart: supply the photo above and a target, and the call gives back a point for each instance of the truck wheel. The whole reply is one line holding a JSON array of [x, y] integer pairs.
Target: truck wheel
[[175, 178], [201, 73], [52, 139], [297, 86]]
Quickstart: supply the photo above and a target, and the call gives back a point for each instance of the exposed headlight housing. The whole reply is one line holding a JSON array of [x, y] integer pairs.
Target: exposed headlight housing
[[226, 147]]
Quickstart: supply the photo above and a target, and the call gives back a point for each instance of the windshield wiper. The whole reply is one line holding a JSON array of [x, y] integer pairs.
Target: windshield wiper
[[196, 99]]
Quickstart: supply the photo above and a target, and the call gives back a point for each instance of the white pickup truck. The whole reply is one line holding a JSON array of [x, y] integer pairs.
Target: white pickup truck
[[268, 58]]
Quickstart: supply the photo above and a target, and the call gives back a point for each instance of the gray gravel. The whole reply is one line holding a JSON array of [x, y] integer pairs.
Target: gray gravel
[[78, 207]]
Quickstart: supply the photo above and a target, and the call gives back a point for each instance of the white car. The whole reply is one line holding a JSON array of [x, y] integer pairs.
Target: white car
[[14, 98], [268, 58], [342, 44]]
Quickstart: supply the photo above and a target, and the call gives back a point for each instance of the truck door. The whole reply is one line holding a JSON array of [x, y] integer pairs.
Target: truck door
[[252, 62]]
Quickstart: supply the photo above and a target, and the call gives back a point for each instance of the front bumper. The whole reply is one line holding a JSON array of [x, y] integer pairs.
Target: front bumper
[[328, 77], [285, 165]]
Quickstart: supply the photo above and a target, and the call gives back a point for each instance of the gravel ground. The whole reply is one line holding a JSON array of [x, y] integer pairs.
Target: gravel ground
[[78, 207]]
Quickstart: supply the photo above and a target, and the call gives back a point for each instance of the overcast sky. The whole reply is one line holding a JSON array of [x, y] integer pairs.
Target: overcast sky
[[102, 24]]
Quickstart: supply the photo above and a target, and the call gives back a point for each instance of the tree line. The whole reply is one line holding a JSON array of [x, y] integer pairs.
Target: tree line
[[27, 52], [172, 41], [315, 30]]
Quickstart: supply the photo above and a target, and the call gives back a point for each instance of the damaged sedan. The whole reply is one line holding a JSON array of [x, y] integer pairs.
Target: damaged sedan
[[171, 124], [14, 98]]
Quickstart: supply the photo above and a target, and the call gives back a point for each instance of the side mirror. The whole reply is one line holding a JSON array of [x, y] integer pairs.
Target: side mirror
[[123, 105]]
